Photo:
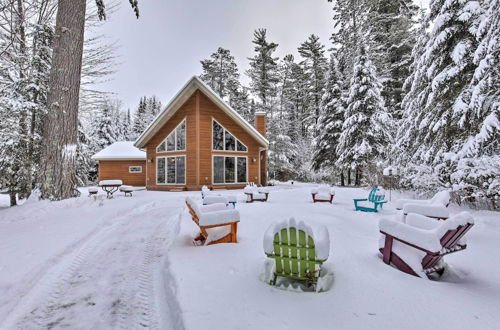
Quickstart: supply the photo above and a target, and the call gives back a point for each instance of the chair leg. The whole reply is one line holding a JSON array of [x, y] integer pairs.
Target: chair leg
[[387, 249]]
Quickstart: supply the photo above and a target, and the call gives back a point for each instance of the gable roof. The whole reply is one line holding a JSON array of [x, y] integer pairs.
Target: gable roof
[[122, 150], [178, 100]]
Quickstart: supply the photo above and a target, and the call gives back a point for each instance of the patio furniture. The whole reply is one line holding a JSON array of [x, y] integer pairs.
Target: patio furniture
[[297, 249], [110, 186], [211, 217], [323, 194], [93, 191], [418, 246], [127, 190], [256, 194], [376, 199], [441, 198]]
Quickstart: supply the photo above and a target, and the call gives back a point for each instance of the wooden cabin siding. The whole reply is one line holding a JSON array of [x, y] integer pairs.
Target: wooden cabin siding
[[198, 111], [119, 170]]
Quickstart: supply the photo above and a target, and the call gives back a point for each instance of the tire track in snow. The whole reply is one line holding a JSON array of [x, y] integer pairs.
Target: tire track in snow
[[57, 282]]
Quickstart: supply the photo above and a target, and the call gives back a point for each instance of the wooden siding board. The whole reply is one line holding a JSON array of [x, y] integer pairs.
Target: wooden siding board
[[119, 170]]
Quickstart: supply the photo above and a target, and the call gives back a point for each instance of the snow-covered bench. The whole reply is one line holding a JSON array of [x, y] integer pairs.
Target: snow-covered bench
[[93, 191], [253, 193], [209, 217], [127, 190], [436, 207], [323, 193], [417, 247], [297, 249]]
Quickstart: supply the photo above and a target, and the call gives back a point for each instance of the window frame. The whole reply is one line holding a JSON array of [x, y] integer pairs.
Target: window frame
[[235, 168], [166, 173], [174, 131], [135, 172], [236, 140]]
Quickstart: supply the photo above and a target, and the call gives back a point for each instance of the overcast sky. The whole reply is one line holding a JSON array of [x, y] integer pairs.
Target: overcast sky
[[161, 50]]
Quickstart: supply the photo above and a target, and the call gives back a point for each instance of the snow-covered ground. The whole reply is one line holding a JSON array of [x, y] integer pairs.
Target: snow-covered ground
[[130, 263]]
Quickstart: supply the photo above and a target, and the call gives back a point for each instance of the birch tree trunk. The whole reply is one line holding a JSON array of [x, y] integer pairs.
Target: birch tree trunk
[[60, 126]]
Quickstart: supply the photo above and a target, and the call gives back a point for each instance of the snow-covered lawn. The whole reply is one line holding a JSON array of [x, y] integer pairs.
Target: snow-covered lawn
[[130, 262]]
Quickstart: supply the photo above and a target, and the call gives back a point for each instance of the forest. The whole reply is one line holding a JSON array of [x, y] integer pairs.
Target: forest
[[396, 85]]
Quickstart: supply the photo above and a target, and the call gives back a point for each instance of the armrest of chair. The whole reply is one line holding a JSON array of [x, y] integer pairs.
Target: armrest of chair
[[429, 210], [359, 199], [418, 238]]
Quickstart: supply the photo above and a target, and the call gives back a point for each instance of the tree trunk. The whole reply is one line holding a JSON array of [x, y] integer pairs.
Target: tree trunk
[[348, 176], [342, 178], [13, 200], [60, 129]]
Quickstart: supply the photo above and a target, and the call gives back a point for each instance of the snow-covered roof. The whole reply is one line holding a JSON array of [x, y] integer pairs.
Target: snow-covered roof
[[178, 100], [123, 150]]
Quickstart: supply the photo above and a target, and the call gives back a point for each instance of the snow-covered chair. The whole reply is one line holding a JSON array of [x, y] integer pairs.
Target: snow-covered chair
[[376, 199], [436, 207], [417, 247], [254, 193], [323, 193], [217, 222], [297, 249], [210, 197]]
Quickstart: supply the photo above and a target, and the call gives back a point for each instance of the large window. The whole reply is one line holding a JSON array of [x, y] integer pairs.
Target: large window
[[176, 140], [171, 170], [222, 139], [229, 169]]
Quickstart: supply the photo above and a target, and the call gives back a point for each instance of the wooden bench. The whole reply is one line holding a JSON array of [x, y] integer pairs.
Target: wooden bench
[[127, 190], [322, 194], [227, 217]]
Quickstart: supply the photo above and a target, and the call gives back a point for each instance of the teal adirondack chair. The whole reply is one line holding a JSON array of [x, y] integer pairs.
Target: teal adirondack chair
[[295, 256], [374, 197]]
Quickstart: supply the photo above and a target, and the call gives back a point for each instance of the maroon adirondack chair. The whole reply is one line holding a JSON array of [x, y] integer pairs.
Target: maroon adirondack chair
[[418, 246]]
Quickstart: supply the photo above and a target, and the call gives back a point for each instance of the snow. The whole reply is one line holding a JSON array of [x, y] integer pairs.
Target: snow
[[120, 150], [110, 182], [440, 198], [129, 262], [213, 214], [429, 210]]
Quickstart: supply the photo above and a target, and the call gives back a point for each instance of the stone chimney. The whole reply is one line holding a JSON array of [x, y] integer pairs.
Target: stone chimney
[[260, 122]]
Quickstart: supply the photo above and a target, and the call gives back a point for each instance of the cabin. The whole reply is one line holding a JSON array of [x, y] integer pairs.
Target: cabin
[[198, 139], [121, 160]]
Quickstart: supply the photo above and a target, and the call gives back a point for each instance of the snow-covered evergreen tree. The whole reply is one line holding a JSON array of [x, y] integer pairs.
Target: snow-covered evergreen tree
[[391, 39], [444, 66], [263, 70], [364, 132], [331, 119], [220, 72], [315, 66]]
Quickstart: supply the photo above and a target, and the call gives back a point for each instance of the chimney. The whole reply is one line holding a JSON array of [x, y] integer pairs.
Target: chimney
[[260, 122]]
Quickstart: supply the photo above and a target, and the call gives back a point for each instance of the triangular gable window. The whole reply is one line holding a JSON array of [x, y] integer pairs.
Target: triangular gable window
[[222, 139], [175, 141]]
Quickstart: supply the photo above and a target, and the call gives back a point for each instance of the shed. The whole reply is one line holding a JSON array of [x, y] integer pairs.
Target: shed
[[121, 160]]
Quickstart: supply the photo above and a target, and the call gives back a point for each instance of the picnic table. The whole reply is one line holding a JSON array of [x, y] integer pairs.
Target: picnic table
[[110, 186]]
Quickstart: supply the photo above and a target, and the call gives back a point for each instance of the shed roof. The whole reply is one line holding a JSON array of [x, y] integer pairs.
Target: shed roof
[[122, 150], [178, 100]]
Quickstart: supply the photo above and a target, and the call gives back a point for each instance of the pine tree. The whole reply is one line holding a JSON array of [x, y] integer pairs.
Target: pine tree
[[364, 132], [331, 119], [220, 72], [263, 68], [390, 25], [430, 129], [315, 65]]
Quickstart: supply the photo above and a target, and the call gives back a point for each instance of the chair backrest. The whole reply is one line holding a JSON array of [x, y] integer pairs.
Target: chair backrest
[[295, 252], [375, 195], [442, 197]]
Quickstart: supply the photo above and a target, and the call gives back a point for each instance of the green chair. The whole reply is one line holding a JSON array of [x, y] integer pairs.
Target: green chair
[[372, 203], [295, 253]]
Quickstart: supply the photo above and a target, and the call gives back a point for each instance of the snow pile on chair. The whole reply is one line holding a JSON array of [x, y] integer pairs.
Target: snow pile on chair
[[323, 192], [435, 207], [423, 232], [255, 193]]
